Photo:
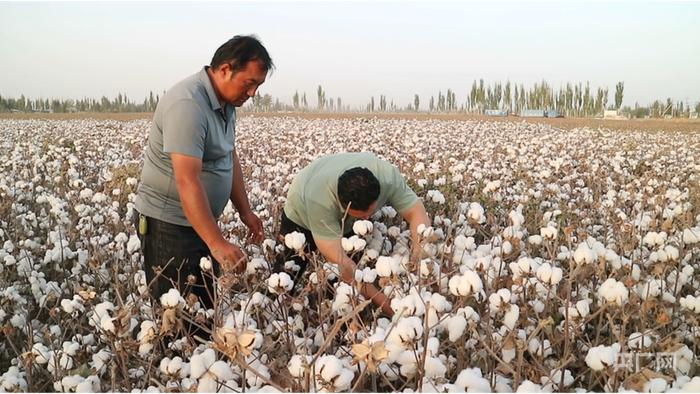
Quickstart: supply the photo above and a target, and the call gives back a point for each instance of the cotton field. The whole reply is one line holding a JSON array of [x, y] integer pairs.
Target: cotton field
[[558, 260]]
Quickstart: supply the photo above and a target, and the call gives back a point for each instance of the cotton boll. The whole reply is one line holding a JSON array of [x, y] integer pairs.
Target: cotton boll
[[548, 233], [471, 380], [369, 275], [613, 291], [691, 235], [455, 326], [297, 364], [295, 240], [510, 319], [200, 363], [41, 353], [280, 283], [584, 255], [528, 387], [362, 227], [205, 263], [535, 239], [384, 266], [425, 231], [600, 357], [171, 299]]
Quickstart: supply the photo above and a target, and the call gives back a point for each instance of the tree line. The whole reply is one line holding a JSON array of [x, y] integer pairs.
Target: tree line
[[571, 100]]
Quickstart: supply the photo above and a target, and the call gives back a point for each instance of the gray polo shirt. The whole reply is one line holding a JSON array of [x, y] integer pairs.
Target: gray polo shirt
[[188, 120]]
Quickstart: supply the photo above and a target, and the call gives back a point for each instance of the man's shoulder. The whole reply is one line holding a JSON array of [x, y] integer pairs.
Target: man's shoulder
[[189, 88]]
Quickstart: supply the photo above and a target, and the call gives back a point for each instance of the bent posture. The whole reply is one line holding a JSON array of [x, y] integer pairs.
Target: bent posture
[[351, 186]]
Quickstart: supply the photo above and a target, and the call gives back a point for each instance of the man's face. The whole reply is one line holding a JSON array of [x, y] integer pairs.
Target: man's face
[[237, 87], [364, 215]]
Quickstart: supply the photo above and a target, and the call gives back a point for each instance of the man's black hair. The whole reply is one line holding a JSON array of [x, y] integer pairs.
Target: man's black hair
[[239, 51], [359, 188]]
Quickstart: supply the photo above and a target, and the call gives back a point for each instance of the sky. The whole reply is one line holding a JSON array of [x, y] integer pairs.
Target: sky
[[354, 50]]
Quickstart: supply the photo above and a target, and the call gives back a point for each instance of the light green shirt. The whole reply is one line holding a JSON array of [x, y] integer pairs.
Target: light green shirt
[[312, 201]]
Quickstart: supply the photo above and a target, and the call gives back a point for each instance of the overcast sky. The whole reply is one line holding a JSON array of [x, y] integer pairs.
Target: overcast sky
[[355, 50]]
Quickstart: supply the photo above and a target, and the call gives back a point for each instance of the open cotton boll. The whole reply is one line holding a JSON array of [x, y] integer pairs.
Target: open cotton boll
[[295, 240], [435, 196], [205, 263], [385, 266], [653, 238], [201, 362], [510, 319], [465, 284], [475, 213], [362, 227], [171, 299], [455, 326], [528, 386], [600, 357], [425, 231], [548, 233], [353, 244], [548, 274], [470, 380], [280, 283], [499, 300], [613, 291], [690, 303], [535, 239], [692, 386], [41, 353], [584, 254], [464, 243], [691, 235], [297, 365]]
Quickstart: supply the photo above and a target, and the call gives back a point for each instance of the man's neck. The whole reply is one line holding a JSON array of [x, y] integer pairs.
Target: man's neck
[[214, 84]]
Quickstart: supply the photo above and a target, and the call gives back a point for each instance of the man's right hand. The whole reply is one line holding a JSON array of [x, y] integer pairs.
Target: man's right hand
[[230, 256]]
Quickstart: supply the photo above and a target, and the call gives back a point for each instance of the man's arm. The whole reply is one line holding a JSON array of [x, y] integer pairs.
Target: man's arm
[[239, 198], [333, 251], [415, 216], [195, 204]]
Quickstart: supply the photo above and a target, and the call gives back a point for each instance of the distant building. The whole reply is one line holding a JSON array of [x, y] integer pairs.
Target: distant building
[[612, 114], [495, 112], [532, 113], [552, 113]]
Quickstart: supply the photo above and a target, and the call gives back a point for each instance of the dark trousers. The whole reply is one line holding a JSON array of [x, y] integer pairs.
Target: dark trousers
[[177, 250]]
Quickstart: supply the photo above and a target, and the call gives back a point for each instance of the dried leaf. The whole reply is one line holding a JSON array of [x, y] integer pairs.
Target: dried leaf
[[171, 321], [637, 381]]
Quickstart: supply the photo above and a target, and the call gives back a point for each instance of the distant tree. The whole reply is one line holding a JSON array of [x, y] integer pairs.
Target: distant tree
[[432, 103], [295, 100], [340, 104], [619, 92], [321, 97], [416, 102]]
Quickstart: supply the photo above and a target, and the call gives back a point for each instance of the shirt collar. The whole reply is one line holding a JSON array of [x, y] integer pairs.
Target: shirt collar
[[213, 100]]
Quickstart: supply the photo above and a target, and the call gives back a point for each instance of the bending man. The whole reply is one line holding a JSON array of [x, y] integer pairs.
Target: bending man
[[350, 185]]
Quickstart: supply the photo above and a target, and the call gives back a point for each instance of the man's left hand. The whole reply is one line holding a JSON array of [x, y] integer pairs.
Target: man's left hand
[[255, 228]]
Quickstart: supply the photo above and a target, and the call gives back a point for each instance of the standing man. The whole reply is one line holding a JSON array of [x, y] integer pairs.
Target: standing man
[[351, 186], [191, 170]]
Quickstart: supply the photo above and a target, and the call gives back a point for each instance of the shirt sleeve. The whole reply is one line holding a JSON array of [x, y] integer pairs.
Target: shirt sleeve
[[184, 129], [399, 195]]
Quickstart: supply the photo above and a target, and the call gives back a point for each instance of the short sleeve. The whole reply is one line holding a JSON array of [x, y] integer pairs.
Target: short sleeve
[[399, 195], [184, 129]]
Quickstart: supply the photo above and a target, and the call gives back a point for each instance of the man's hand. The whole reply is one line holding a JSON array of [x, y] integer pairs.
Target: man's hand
[[229, 256], [255, 227]]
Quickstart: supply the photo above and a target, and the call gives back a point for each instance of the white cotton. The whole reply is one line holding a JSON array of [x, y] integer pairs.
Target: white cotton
[[528, 387], [455, 326], [464, 243], [475, 213], [510, 319], [693, 386], [548, 233], [385, 266], [434, 368], [133, 244], [205, 263], [295, 240], [41, 353], [691, 235], [465, 284], [369, 275], [353, 244], [200, 363], [425, 231], [584, 254], [297, 364], [535, 239], [471, 380], [613, 291], [600, 357], [221, 370], [362, 227], [170, 299], [280, 283], [690, 303]]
